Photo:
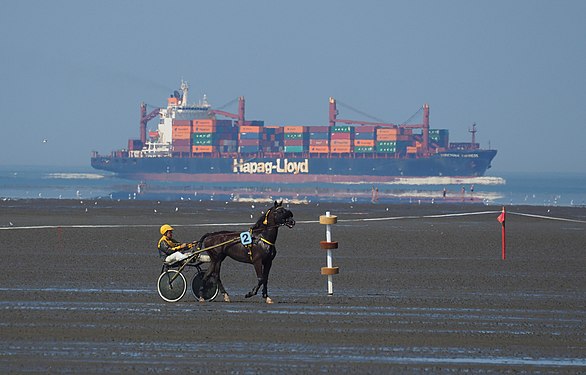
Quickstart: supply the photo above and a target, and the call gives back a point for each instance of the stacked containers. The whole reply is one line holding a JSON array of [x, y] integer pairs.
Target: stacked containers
[[364, 139], [440, 136], [272, 139], [295, 139], [226, 136], [134, 144], [319, 139], [342, 139], [392, 140], [202, 136], [181, 135], [249, 139]]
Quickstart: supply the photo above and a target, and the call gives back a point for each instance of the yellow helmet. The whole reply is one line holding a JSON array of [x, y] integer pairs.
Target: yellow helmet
[[165, 228]]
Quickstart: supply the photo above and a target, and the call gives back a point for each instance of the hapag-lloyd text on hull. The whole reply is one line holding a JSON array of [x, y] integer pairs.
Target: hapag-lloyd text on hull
[[269, 167]]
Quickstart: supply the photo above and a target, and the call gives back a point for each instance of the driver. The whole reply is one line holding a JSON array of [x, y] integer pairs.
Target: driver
[[170, 248]]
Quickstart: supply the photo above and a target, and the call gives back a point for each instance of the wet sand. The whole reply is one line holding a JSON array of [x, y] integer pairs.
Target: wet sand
[[414, 293]]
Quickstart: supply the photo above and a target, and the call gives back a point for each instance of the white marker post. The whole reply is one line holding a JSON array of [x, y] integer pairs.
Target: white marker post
[[328, 245]]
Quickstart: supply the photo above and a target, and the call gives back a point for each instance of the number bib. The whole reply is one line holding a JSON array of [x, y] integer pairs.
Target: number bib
[[245, 238]]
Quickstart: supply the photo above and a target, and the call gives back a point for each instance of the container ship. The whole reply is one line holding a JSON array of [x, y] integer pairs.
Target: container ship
[[196, 143]]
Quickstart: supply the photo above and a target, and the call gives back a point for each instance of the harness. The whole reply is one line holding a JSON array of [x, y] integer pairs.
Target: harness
[[233, 240], [250, 231]]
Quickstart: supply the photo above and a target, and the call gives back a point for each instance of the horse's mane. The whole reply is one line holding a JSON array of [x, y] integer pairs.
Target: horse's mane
[[259, 222]]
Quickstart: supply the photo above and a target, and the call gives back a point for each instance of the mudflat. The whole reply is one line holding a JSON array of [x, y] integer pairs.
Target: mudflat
[[421, 288]]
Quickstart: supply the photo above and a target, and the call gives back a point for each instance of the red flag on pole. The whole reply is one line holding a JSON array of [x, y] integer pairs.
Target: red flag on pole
[[501, 220], [501, 217]]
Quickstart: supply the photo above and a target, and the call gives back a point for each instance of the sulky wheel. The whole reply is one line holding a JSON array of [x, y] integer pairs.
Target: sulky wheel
[[210, 291], [171, 290]]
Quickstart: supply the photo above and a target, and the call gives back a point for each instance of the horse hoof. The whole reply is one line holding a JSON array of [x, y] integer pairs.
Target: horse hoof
[[227, 298], [269, 300], [201, 300]]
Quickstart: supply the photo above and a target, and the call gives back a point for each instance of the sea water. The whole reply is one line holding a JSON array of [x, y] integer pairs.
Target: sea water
[[507, 188]]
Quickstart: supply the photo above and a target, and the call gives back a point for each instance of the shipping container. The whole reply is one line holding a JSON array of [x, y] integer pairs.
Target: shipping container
[[250, 129], [203, 129], [341, 142], [365, 129], [202, 149], [294, 149], [318, 135], [181, 122], [204, 122], [295, 129], [249, 149], [341, 149], [295, 135], [363, 148], [318, 129], [341, 136], [249, 142], [181, 142], [249, 135], [342, 129], [364, 142], [365, 135], [319, 149], [202, 135], [180, 132], [395, 131], [202, 141], [294, 142], [319, 142], [181, 148], [392, 137]]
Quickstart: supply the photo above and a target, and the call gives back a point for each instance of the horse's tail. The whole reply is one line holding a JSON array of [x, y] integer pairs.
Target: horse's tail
[[201, 241]]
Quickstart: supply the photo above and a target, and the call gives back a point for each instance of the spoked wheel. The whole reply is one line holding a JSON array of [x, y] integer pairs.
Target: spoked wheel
[[210, 290], [171, 291]]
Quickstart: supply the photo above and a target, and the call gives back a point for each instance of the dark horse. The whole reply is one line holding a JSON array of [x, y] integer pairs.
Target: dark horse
[[260, 252]]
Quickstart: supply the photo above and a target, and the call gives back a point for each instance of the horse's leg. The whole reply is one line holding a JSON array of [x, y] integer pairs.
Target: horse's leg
[[258, 268], [208, 274], [219, 280], [265, 275]]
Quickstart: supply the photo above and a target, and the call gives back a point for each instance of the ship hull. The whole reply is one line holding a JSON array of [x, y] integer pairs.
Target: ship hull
[[296, 169]]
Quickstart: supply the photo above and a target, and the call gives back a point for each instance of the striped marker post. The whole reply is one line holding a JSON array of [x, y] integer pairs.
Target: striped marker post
[[329, 245]]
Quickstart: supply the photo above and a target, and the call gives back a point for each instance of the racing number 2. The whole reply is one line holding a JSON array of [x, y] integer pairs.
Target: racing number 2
[[245, 238]]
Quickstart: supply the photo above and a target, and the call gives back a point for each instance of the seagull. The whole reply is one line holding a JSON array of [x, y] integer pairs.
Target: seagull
[[45, 140]]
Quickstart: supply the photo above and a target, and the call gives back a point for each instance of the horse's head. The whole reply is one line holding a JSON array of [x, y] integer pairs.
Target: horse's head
[[279, 215]]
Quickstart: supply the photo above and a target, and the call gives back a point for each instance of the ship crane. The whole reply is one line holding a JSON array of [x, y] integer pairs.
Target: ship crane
[[144, 119], [333, 118], [239, 117]]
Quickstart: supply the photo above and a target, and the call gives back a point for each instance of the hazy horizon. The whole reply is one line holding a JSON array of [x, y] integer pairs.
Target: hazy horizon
[[75, 72]]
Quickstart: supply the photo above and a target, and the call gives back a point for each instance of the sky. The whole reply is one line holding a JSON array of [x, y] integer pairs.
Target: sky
[[74, 73]]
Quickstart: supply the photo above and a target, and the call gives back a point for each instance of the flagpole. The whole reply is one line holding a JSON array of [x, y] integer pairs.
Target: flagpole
[[504, 235]]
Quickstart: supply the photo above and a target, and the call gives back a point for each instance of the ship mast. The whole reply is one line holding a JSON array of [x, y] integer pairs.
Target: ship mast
[[473, 131]]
